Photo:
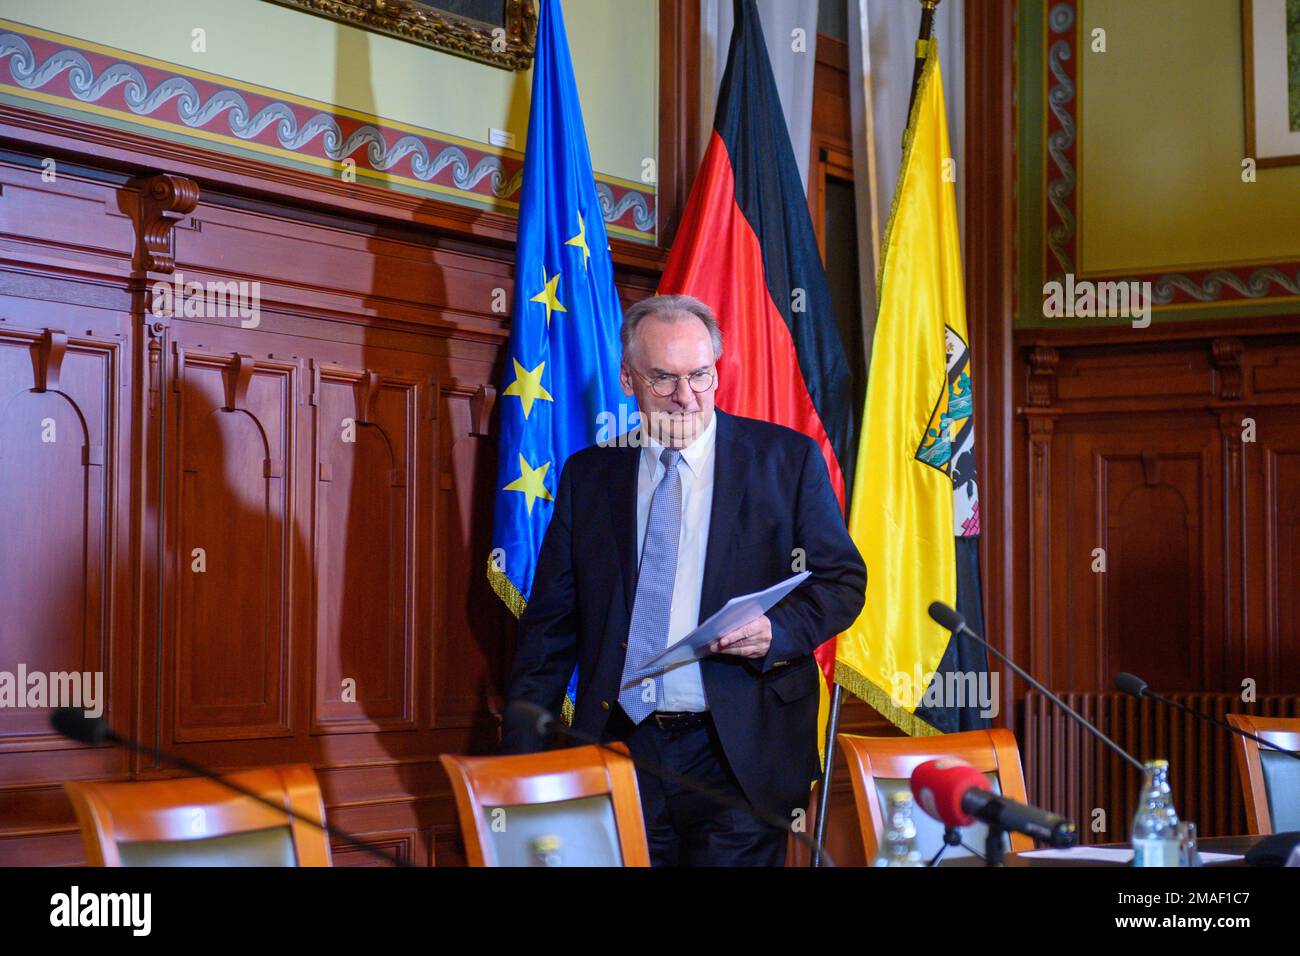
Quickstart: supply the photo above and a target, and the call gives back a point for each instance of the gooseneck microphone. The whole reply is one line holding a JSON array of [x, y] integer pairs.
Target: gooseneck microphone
[[95, 731], [1135, 686], [956, 794], [948, 618], [524, 715]]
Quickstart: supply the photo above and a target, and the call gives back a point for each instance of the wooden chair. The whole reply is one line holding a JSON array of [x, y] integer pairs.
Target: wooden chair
[[190, 821], [1270, 781], [879, 766], [580, 804]]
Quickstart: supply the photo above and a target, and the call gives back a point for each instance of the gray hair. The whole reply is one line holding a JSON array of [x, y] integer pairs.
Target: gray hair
[[669, 308]]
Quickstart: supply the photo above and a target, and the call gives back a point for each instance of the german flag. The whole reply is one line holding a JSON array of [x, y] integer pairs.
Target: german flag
[[746, 247]]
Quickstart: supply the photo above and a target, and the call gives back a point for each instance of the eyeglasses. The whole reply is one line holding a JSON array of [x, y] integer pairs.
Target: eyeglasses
[[665, 385]]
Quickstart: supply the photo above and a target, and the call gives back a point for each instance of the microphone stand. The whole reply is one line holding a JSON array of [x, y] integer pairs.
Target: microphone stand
[[1146, 691], [961, 627], [993, 848], [951, 837], [110, 736]]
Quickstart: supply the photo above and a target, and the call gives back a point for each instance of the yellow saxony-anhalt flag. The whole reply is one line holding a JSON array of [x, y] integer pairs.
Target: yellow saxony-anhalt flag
[[917, 415]]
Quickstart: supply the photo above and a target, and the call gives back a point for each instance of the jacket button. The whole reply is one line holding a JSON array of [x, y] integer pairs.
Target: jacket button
[[604, 705], [625, 645]]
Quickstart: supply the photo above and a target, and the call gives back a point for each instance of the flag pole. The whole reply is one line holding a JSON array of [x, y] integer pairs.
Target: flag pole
[[922, 48], [837, 695], [828, 759]]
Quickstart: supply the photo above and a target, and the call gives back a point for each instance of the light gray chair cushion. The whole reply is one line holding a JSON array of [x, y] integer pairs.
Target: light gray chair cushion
[[270, 847], [1282, 785], [585, 827]]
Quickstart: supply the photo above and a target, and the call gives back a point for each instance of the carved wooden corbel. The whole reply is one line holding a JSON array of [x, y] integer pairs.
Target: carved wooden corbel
[[237, 375], [50, 350], [1042, 360], [480, 407], [1150, 468], [367, 390], [165, 200], [1226, 354]]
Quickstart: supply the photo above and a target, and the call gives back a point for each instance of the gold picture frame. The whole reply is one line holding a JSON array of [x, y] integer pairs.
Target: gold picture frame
[[509, 44], [1270, 35]]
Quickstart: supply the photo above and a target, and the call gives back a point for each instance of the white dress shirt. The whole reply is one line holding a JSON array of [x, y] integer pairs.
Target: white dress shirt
[[683, 687]]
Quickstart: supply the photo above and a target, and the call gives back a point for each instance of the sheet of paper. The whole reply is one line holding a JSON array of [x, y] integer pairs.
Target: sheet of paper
[[1107, 854], [735, 613]]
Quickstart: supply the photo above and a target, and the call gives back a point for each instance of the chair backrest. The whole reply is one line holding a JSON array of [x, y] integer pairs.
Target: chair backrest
[[191, 821], [879, 766], [1270, 781], [573, 807]]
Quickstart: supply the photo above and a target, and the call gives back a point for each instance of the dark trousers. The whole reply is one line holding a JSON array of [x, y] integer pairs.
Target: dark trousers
[[686, 828]]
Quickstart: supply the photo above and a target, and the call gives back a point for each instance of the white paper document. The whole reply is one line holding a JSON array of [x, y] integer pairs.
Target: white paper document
[[1114, 854], [735, 613]]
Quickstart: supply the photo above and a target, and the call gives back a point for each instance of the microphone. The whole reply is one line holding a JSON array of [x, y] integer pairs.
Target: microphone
[[1130, 684], [75, 725], [956, 794], [1135, 686], [938, 786], [94, 731], [524, 715], [949, 619]]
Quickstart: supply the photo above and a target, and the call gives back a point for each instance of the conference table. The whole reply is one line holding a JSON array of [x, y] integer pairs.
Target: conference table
[[1224, 844]]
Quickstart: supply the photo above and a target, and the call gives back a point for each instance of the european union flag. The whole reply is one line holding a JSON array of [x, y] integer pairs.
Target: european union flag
[[561, 379]]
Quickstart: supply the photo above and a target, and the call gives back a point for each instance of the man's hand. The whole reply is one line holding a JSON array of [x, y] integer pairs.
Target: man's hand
[[748, 640]]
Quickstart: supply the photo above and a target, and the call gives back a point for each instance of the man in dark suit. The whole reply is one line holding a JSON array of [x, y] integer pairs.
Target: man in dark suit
[[652, 534]]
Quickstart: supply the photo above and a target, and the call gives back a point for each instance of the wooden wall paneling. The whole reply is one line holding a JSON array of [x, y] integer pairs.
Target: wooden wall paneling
[[57, 408], [1271, 550], [228, 666], [472, 662], [990, 258], [406, 846], [1151, 505], [156, 204], [1036, 487], [65, 439], [400, 805], [407, 342], [1130, 495], [364, 550], [71, 226], [680, 147], [1232, 565], [1140, 446]]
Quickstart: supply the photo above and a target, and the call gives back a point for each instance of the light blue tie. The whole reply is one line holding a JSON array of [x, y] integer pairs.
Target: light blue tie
[[648, 633]]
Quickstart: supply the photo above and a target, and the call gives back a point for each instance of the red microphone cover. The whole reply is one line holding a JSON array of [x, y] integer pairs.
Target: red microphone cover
[[939, 785]]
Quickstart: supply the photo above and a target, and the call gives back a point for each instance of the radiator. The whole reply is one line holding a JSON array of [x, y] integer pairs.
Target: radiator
[[1070, 772]]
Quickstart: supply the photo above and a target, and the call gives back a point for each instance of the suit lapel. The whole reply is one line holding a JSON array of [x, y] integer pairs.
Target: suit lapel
[[624, 479], [730, 463]]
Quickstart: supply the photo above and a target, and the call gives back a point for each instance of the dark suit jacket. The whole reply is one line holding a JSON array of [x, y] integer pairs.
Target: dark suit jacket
[[771, 495]]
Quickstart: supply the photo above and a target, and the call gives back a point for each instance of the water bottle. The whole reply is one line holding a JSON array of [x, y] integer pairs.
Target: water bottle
[[899, 846], [545, 851], [1187, 840], [1155, 835]]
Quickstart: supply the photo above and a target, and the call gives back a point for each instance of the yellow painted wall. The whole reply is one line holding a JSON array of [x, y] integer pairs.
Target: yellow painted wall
[[1162, 142], [614, 44]]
